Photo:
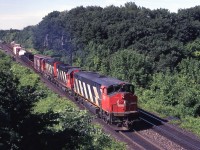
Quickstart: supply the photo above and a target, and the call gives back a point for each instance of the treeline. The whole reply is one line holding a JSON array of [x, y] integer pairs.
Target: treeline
[[156, 50], [32, 117], [24, 37], [94, 36]]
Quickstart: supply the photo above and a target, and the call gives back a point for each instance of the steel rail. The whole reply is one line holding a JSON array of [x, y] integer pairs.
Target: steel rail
[[184, 142]]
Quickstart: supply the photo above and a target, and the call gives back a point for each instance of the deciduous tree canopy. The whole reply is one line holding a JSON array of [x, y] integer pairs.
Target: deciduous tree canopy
[[156, 50]]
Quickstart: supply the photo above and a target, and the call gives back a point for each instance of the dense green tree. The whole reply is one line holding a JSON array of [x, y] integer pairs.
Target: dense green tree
[[176, 93], [15, 102], [131, 66], [193, 48]]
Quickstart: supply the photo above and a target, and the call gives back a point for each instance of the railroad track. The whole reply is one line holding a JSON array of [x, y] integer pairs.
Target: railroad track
[[170, 132], [140, 141]]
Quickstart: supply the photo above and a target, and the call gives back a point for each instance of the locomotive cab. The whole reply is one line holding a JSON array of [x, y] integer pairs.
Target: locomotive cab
[[120, 103]]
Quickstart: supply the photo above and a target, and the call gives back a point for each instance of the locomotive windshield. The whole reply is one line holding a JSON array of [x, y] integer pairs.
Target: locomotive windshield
[[113, 88], [127, 88], [120, 88]]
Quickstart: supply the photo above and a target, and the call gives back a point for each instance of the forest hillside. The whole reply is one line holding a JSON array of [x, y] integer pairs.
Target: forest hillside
[[156, 50]]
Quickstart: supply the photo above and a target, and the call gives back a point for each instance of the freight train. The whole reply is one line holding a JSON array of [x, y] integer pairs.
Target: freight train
[[111, 99]]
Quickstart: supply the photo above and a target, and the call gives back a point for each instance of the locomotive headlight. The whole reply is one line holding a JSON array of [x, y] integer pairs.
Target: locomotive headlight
[[125, 102], [121, 101]]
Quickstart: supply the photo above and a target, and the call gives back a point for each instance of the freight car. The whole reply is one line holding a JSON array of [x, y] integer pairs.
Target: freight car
[[28, 58], [111, 99], [16, 49]]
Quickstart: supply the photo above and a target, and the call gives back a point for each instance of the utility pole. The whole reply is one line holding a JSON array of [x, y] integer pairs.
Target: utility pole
[[71, 52], [62, 42], [67, 47], [46, 43]]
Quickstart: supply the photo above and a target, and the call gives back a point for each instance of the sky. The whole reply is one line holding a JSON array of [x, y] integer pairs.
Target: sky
[[17, 14]]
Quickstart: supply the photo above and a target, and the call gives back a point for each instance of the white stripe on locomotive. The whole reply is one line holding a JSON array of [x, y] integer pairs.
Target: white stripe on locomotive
[[57, 73], [90, 93], [80, 85], [62, 76], [96, 95], [75, 89], [77, 86], [51, 67], [85, 90], [65, 75]]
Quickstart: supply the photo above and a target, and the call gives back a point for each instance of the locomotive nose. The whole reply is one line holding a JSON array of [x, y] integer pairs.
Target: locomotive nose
[[130, 101], [126, 96]]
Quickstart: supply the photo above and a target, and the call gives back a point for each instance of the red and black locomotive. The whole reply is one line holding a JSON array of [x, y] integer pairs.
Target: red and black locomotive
[[112, 99]]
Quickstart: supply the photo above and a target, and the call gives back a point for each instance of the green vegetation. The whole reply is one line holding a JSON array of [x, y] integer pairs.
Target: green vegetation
[[176, 94], [32, 117], [156, 50], [191, 123], [24, 37]]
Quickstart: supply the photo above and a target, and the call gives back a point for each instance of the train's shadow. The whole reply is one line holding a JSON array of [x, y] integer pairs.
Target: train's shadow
[[148, 121]]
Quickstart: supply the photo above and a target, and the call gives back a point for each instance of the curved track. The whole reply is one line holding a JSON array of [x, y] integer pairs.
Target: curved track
[[172, 133]]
